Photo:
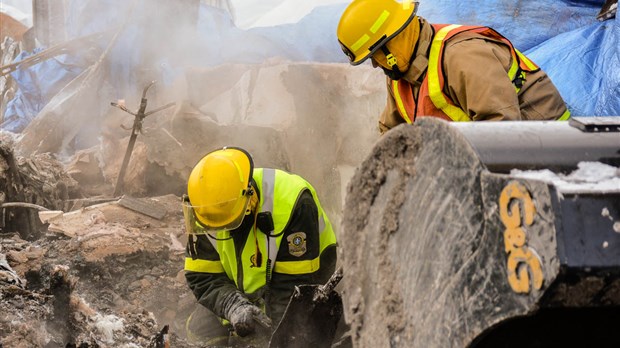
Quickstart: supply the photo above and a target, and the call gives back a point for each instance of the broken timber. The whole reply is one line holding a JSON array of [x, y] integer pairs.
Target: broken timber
[[137, 127], [145, 206]]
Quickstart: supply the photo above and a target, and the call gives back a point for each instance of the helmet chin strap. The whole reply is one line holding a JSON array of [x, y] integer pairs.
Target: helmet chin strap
[[253, 200], [394, 72]]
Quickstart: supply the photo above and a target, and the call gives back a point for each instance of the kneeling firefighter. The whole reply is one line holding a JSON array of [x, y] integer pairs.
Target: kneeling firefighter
[[254, 234]]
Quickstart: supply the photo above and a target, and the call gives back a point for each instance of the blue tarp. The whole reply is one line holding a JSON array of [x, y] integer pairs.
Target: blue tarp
[[581, 55], [36, 86], [525, 23], [584, 64]]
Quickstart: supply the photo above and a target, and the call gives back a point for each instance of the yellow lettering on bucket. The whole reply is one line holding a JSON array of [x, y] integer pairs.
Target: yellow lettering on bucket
[[517, 212]]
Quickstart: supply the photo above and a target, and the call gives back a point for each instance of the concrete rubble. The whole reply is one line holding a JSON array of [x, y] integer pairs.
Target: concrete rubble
[[101, 276]]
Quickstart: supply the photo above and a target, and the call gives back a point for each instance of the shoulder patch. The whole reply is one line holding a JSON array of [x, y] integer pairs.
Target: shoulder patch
[[297, 243]]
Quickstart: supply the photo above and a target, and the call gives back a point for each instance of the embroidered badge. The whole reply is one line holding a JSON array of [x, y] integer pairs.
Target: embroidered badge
[[297, 243]]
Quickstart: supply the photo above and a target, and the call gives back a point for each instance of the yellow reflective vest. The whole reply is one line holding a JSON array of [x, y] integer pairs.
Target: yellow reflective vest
[[279, 192]]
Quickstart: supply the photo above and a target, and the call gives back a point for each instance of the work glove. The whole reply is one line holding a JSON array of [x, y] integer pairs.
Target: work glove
[[245, 317]]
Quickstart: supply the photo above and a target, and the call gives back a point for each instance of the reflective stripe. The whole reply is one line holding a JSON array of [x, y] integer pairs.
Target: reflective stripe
[[514, 67], [298, 267], [373, 29], [525, 60], [565, 116], [379, 22], [399, 102], [434, 87], [268, 185], [322, 224], [213, 241], [359, 43], [203, 266]]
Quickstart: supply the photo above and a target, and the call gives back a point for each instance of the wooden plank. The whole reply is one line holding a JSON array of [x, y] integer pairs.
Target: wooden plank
[[144, 206]]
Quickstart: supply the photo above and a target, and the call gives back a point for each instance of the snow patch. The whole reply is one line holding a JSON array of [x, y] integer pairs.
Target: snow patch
[[589, 177]]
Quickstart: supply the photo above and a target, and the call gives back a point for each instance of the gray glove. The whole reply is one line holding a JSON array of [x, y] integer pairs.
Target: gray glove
[[244, 318]]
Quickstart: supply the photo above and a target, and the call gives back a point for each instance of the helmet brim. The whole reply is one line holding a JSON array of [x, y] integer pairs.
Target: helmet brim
[[199, 221]]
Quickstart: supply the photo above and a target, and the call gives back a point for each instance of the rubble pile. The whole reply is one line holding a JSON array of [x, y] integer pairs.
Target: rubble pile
[[28, 184], [101, 276], [96, 275]]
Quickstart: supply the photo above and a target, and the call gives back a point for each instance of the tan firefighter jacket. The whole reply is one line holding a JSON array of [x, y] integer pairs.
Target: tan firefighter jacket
[[475, 71]]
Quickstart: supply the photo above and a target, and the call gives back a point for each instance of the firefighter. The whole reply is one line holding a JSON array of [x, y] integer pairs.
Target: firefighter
[[455, 72], [253, 234]]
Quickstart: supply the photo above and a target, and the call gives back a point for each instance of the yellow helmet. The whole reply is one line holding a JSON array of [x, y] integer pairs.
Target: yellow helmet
[[366, 25], [219, 190]]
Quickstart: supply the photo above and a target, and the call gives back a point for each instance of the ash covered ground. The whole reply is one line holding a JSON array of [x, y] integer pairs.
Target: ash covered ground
[[101, 276]]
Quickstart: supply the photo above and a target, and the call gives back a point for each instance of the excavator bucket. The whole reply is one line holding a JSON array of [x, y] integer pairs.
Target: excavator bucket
[[454, 235]]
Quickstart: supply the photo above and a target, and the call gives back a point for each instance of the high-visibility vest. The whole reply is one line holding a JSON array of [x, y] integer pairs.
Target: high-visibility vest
[[279, 193], [432, 101]]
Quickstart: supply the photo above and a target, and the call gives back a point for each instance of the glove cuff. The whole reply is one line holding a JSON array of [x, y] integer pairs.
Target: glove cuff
[[233, 302]]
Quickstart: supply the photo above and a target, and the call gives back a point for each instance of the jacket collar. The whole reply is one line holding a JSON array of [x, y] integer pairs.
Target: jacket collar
[[419, 64]]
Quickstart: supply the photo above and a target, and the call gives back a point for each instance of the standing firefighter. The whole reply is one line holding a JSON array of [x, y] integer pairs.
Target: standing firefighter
[[254, 233], [455, 72]]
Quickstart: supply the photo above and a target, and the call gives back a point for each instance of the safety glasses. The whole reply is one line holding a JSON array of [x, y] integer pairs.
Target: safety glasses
[[204, 219]]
